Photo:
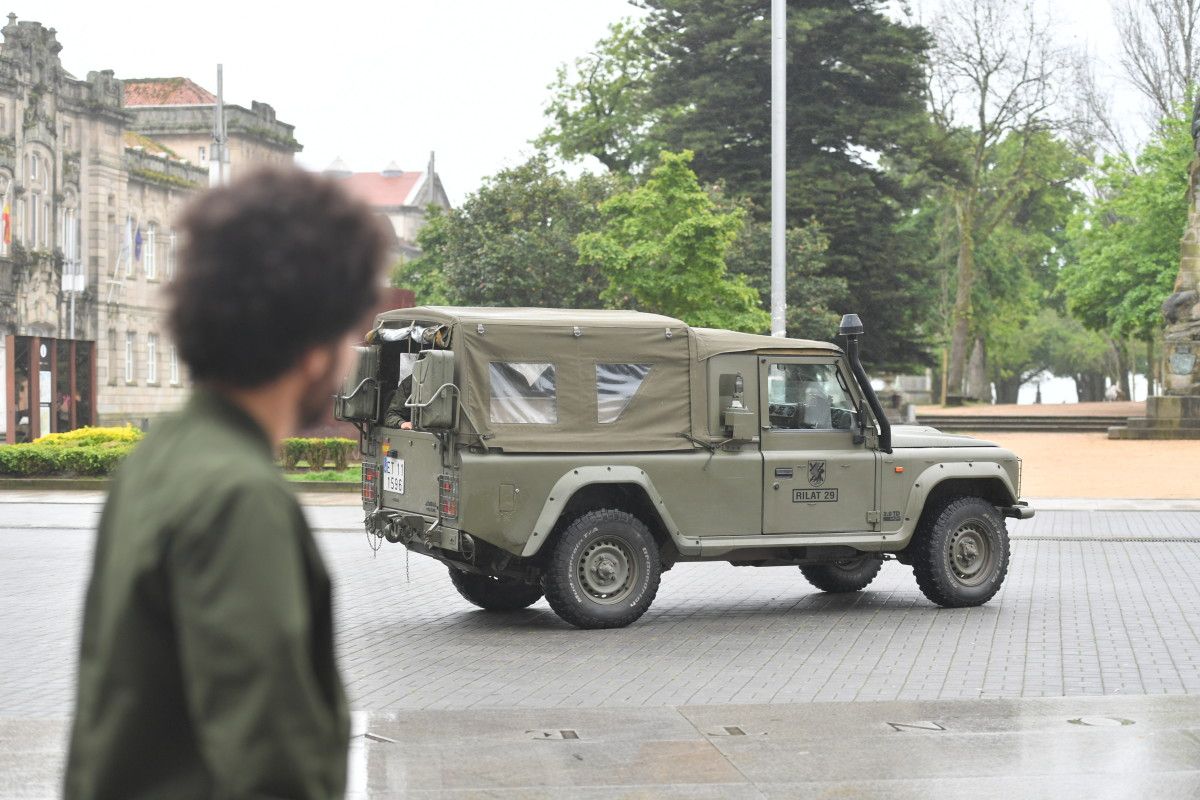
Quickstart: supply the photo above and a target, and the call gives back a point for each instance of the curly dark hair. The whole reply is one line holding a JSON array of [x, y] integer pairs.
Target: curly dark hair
[[277, 262]]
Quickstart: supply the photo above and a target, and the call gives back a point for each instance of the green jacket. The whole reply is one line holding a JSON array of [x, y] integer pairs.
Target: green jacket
[[207, 665]]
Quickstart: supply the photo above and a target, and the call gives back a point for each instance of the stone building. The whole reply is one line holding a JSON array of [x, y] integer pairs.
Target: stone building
[[90, 187], [178, 114], [402, 197]]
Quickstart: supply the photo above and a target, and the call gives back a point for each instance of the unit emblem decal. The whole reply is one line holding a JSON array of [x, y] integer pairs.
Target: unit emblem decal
[[816, 473]]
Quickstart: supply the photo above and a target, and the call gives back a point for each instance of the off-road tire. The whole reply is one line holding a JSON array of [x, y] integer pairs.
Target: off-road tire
[[840, 577], [494, 593], [969, 521], [585, 553]]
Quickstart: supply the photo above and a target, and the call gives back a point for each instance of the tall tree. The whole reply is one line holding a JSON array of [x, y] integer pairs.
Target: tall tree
[[1160, 51], [663, 249], [513, 242], [992, 83], [855, 105], [601, 107], [1126, 242]]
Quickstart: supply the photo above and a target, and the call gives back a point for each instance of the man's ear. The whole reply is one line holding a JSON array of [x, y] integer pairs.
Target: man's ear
[[317, 362]]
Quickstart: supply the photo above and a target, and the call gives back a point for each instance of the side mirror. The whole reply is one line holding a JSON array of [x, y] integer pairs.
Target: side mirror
[[433, 392], [358, 401]]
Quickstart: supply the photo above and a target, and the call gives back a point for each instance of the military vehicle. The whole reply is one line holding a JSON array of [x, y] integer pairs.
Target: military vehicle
[[577, 455]]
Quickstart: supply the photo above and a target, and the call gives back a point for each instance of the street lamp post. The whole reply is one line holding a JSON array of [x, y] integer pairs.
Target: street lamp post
[[778, 167]]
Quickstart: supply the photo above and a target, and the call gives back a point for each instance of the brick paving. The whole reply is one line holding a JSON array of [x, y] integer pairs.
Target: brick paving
[[1087, 609]]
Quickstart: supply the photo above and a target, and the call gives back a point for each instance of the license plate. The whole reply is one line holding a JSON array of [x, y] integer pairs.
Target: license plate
[[393, 475]]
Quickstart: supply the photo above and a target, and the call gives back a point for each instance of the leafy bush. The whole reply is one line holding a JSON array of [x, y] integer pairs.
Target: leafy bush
[[293, 451], [339, 450], [85, 451], [315, 452], [38, 459], [87, 437]]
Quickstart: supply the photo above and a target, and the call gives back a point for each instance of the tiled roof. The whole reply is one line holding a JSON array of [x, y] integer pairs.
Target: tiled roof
[[377, 189], [166, 92]]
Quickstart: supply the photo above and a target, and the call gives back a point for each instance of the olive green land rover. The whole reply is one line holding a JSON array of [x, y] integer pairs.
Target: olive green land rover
[[577, 455]]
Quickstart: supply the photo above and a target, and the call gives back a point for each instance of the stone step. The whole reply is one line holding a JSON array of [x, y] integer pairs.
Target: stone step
[[1156, 433], [1159, 422], [948, 422]]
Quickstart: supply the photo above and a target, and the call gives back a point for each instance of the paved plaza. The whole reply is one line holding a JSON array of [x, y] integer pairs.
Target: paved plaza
[[1101, 600], [1096, 603]]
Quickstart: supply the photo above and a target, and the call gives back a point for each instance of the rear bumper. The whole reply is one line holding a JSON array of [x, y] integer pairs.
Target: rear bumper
[[1019, 510]]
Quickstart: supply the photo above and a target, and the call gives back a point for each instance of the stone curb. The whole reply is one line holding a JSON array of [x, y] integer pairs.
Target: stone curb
[[101, 484]]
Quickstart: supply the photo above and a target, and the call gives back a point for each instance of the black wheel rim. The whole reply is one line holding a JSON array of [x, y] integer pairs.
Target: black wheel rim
[[851, 565], [607, 571], [971, 554]]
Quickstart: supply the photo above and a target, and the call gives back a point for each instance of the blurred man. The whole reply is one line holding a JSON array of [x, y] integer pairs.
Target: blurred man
[[207, 666]]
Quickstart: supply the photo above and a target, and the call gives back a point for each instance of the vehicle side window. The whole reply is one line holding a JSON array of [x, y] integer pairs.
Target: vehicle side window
[[523, 392], [616, 384], [808, 397]]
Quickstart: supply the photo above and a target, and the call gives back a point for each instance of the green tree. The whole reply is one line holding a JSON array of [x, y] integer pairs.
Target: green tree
[[1126, 242], [855, 105], [426, 274], [814, 298], [512, 243], [663, 248], [992, 100], [601, 105]]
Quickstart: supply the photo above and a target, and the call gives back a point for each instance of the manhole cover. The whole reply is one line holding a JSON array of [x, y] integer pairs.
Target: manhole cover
[[731, 730], [1100, 722], [565, 733], [916, 725]]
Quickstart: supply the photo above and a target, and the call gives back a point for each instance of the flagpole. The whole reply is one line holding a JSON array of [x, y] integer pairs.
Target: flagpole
[[778, 167]]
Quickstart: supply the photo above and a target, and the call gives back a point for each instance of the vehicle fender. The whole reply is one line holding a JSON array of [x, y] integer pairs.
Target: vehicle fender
[[936, 474], [574, 480]]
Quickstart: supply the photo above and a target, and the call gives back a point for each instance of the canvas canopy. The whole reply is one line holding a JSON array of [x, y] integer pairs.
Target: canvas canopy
[[562, 380]]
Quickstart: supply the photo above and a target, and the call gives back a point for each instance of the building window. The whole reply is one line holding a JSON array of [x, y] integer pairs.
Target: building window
[[31, 227], [203, 155], [152, 358], [127, 247], [45, 237], [130, 338], [66, 136], [33, 169], [174, 366], [149, 256], [6, 223], [171, 256], [112, 357], [3, 119]]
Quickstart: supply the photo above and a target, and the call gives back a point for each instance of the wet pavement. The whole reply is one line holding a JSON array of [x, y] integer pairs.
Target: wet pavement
[[1096, 748], [1099, 611]]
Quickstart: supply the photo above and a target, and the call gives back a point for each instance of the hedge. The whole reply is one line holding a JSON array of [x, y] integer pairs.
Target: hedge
[[316, 452], [86, 437], [29, 460]]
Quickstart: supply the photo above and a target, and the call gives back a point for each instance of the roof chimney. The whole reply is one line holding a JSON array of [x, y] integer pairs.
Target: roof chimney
[[338, 169]]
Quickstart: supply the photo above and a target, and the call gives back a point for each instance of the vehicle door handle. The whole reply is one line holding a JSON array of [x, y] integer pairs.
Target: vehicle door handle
[[775, 487]]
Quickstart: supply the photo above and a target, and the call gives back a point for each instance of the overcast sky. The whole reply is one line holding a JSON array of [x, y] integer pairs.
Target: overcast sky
[[376, 82]]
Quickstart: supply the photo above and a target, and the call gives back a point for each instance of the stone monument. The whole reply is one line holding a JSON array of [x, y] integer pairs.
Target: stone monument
[[1176, 413]]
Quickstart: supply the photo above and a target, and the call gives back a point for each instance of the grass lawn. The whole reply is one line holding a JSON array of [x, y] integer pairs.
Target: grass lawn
[[351, 473]]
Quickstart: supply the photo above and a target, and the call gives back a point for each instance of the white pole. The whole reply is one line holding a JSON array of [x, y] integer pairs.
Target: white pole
[[220, 124], [778, 167]]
